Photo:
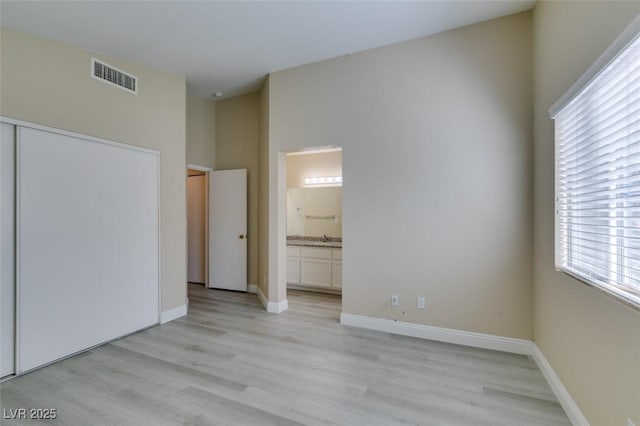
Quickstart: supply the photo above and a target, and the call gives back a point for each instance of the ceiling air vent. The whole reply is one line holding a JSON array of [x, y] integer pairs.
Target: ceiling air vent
[[113, 76]]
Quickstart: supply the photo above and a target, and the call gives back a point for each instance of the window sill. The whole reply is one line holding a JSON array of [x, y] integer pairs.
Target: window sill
[[620, 298]]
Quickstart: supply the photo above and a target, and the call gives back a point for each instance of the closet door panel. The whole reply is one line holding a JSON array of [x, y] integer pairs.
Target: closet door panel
[[88, 244], [7, 249]]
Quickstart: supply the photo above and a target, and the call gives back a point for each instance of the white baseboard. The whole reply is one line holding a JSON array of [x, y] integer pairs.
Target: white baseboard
[[448, 335], [252, 288], [172, 314], [278, 307], [568, 404], [272, 307]]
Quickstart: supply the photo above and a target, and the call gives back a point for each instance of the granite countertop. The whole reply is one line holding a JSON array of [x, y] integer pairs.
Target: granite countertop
[[329, 242]]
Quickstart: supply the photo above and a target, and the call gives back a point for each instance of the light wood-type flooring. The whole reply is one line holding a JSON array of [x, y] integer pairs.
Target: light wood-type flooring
[[228, 362]]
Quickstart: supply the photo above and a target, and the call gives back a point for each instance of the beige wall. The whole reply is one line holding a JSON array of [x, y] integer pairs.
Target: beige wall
[[436, 137], [591, 341], [263, 189], [272, 202], [317, 164], [66, 97], [237, 134], [201, 131], [310, 211]]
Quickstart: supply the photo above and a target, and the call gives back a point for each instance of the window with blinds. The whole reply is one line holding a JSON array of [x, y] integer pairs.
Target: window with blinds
[[598, 177]]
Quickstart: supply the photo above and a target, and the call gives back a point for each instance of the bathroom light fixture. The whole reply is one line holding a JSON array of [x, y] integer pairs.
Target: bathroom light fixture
[[324, 180]]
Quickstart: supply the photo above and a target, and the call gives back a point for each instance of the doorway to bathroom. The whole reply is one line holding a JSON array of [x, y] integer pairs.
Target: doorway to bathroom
[[314, 221], [217, 228]]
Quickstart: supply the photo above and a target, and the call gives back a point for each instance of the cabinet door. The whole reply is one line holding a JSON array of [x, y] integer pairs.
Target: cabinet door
[[316, 272], [293, 271], [336, 272]]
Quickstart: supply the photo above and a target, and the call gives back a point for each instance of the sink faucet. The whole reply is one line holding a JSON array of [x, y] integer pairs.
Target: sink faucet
[[325, 238]]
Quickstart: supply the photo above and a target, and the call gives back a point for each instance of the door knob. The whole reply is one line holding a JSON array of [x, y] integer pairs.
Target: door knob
[[241, 236]]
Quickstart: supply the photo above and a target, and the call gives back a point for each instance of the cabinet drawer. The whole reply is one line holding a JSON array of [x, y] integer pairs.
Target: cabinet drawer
[[337, 254], [293, 251], [315, 252]]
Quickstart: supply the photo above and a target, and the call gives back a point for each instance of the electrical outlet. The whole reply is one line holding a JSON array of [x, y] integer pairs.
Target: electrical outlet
[[630, 423], [395, 300], [420, 302]]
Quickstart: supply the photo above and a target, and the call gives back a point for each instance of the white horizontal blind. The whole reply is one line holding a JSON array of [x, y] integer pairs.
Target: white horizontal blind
[[598, 179]]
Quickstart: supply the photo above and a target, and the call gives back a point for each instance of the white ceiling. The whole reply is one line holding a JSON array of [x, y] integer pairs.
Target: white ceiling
[[231, 46]]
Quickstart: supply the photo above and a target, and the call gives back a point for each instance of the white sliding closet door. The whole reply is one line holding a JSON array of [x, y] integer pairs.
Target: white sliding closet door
[[88, 244], [7, 249]]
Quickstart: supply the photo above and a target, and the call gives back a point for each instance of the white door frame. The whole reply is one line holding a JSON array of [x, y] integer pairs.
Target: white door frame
[[206, 171]]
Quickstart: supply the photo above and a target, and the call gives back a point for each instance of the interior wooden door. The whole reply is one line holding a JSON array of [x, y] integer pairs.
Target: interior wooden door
[[7, 250], [228, 229]]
